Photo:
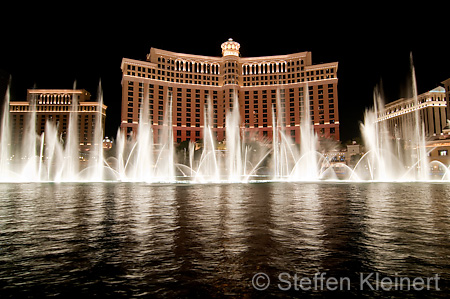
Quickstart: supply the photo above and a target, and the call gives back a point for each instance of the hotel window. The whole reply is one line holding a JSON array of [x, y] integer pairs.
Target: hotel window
[[443, 153]]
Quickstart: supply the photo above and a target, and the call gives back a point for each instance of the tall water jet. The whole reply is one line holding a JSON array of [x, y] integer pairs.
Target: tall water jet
[[165, 164], [191, 157], [147, 161], [281, 146], [70, 168], [394, 155], [96, 164], [380, 163], [5, 139], [289, 161], [276, 165], [29, 171], [142, 151], [120, 155], [418, 143], [208, 166], [306, 167], [53, 153], [233, 143]]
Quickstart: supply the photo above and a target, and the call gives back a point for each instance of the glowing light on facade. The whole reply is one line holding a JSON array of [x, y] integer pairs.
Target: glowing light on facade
[[230, 47]]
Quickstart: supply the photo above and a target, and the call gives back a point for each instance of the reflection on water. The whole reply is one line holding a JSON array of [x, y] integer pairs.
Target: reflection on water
[[130, 240]]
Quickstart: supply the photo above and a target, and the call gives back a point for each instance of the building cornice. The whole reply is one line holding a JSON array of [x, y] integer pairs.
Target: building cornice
[[160, 52], [322, 66], [137, 63], [57, 91], [275, 57], [256, 59], [411, 109]]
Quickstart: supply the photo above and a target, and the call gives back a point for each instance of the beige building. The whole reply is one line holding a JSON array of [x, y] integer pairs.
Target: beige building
[[432, 109], [56, 105], [256, 81], [439, 150], [446, 84]]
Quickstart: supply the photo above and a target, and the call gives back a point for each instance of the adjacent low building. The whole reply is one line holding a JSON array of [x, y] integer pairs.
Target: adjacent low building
[[446, 84], [56, 105], [431, 107]]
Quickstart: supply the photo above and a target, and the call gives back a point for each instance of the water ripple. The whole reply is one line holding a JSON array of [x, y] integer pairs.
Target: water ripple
[[140, 240]]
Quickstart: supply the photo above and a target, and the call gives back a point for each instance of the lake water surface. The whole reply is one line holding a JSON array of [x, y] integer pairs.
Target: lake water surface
[[182, 240]]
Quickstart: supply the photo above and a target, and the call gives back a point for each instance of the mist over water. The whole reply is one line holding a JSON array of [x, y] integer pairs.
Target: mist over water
[[142, 159], [394, 158]]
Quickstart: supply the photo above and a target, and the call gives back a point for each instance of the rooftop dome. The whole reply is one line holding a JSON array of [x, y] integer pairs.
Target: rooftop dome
[[438, 89], [230, 47]]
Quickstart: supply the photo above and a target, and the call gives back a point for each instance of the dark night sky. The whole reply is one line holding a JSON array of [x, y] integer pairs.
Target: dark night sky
[[50, 47]]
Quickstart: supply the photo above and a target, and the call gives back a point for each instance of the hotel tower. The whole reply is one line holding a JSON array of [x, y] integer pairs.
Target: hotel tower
[[261, 84]]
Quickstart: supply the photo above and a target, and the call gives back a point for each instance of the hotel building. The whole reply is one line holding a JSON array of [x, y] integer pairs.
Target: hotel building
[[56, 105], [446, 84], [432, 109], [257, 82]]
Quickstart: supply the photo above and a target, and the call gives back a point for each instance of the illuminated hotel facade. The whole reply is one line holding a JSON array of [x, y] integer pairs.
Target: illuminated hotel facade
[[56, 105], [431, 107], [282, 81]]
